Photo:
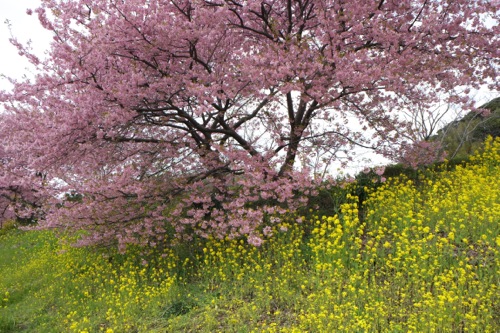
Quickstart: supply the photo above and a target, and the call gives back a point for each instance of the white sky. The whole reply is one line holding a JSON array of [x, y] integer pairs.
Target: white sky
[[25, 28]]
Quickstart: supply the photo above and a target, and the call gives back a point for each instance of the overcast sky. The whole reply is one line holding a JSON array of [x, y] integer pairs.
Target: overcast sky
[[25, 28]]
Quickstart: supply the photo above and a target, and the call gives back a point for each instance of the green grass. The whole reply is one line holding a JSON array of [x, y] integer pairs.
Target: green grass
[[419, 258]]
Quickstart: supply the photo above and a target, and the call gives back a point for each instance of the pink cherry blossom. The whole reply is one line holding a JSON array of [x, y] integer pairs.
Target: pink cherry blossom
[[174, 118]]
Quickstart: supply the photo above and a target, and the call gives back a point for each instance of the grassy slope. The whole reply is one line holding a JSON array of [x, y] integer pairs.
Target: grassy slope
[[424, 258]]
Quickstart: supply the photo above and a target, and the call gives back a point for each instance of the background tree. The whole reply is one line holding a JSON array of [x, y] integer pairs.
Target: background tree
[[203, 115]]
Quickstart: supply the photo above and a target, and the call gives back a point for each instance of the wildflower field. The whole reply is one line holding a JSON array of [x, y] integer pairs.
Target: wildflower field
[[421, 255]]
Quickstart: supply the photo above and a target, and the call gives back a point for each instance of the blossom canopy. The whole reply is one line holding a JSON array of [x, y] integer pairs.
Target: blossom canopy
[[174, 117]]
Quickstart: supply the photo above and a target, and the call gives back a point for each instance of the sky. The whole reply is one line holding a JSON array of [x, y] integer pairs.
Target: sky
[[25, 28]]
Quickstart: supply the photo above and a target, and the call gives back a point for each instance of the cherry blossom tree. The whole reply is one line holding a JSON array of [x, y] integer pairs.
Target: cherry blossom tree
[[21, 197], [208, 116]]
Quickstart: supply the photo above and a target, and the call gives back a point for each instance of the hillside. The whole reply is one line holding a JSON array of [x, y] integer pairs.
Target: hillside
[[425, 258], [462, 137]]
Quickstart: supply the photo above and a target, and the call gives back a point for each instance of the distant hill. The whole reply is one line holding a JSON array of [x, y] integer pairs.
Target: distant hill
[[462, 137]]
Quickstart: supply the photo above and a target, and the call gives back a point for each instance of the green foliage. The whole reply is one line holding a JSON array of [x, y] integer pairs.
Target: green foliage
[[7, 226]]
